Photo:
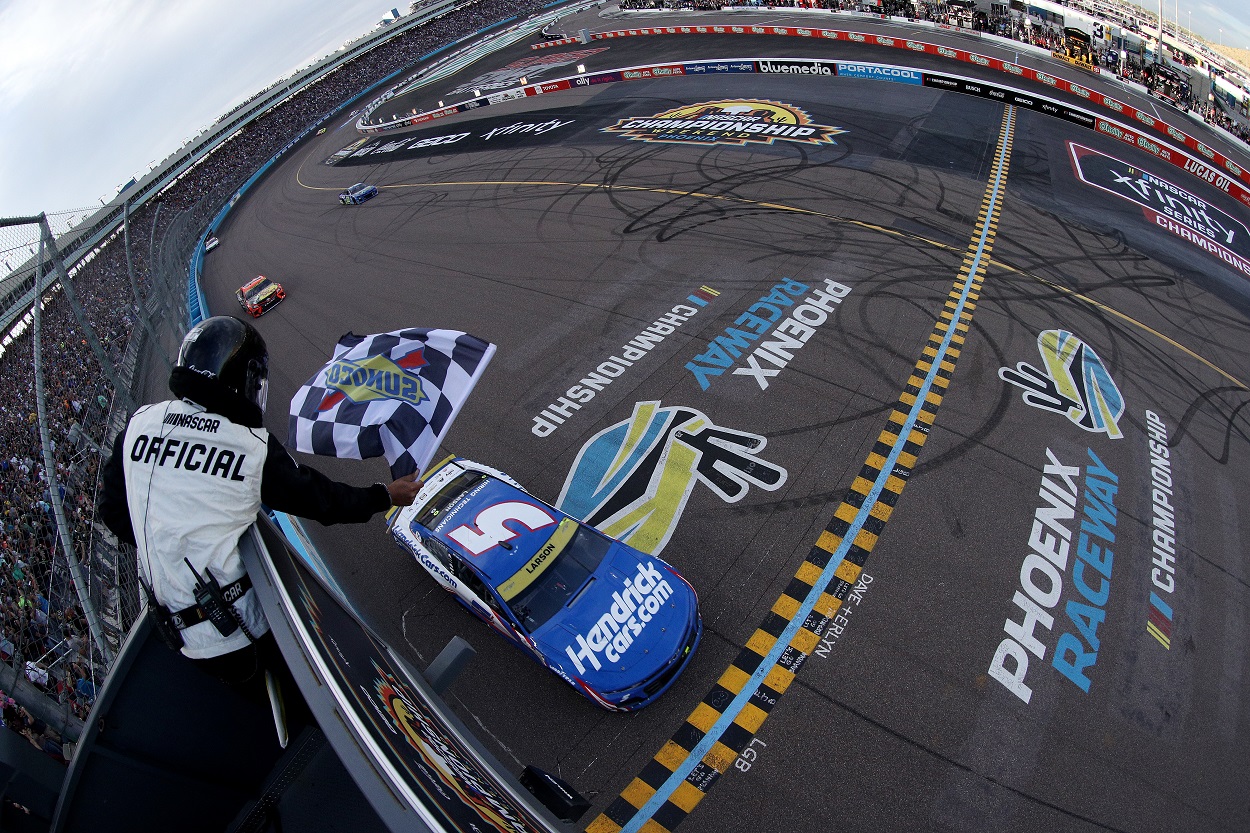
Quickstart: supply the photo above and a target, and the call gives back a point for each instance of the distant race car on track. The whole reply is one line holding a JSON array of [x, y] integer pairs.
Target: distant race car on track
[[210, 243], [257, 296], [358, 193], [615, 623]]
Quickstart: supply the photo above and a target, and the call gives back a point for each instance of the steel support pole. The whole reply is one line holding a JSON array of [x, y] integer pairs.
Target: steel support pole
[[93, 342], [81, 584]]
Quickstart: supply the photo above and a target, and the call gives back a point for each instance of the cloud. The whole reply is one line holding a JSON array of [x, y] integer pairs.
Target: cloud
[[93, 91]]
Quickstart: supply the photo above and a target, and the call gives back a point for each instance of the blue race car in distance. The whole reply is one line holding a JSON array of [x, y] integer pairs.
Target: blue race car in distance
[[616, 624], [358, 193]]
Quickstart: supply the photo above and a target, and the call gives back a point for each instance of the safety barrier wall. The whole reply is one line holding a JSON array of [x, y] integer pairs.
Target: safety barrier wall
[[17, 291], [420, 767]]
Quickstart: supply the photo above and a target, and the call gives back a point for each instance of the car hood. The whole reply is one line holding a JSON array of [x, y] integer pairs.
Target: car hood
[[625, 625]]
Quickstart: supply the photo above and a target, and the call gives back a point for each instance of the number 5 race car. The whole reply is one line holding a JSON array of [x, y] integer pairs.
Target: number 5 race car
[[258, 295], [616, 624]]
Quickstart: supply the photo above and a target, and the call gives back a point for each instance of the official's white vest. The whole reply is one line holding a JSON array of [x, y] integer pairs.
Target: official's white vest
[[193, 486]]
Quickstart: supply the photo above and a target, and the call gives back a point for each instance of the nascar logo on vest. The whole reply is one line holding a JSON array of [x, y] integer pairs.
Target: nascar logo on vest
[[391, 394]]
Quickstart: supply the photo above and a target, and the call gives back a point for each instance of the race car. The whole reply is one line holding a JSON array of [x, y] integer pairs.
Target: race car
[[358, 193], [210, 244], [615, 623], [259, 295]]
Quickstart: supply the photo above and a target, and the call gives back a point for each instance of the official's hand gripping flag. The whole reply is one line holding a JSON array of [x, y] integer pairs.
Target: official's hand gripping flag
[[392, 394]]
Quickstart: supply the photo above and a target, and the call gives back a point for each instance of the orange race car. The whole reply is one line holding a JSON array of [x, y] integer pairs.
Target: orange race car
[[257, 296]]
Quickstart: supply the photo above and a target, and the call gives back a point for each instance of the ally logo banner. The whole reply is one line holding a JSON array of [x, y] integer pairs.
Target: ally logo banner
[[1073, 381], [632, 479]]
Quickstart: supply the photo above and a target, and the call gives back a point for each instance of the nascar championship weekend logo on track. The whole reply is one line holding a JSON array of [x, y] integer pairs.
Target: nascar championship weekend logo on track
[[737, 122]]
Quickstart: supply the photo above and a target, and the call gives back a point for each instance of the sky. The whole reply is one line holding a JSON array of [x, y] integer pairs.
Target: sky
[[1233, 16], [94, 91]]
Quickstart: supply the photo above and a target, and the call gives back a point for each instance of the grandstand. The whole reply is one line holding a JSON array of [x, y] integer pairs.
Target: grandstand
[[113, 283]]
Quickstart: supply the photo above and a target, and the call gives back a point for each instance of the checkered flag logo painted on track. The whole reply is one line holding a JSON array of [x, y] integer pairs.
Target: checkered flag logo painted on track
[[392, 394]]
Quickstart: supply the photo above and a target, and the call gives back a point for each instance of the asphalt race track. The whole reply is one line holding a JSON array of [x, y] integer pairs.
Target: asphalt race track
[[987, 439]]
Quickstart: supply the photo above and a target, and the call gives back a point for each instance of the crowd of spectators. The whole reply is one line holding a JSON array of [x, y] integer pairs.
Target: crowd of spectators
[[43, 630], [39, 734], [1050, 37]]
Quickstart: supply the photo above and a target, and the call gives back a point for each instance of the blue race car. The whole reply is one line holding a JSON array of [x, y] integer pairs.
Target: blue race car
[[616, 624], [358, 193]]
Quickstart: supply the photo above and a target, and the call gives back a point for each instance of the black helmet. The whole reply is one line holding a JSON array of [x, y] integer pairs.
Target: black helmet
[[231, 352]]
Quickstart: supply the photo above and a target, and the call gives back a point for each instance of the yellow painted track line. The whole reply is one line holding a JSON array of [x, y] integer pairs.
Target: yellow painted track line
[[722, 725]]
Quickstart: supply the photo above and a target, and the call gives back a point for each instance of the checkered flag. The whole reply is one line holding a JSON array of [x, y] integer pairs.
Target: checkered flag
[[392, 394]]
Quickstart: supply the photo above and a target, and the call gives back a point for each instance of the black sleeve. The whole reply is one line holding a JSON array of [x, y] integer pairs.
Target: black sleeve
[[286, 486], [114, 510]]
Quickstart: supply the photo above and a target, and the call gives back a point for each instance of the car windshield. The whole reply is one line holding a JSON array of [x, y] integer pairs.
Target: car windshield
[[357, 188], [432, 512], [554, 575], [254, 290]]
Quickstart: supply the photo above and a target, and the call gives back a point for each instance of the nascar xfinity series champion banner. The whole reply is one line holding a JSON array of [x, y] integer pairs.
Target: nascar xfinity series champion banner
[[392, 394]]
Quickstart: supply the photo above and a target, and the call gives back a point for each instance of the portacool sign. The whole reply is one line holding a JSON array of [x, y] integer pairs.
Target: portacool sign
[[736, 122], [1168, 206], [1073, 382], [632, 479], [880, 72]]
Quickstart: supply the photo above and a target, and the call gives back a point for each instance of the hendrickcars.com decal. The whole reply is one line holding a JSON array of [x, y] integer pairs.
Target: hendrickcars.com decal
[[1167, 206], [632, 479], [1073, 381], [736, 122]]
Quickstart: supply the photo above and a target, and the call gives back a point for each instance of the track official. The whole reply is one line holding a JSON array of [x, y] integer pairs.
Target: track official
[[188, 476]]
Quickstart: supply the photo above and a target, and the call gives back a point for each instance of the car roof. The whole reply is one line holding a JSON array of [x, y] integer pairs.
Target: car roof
[[497, 564], [254, 281]]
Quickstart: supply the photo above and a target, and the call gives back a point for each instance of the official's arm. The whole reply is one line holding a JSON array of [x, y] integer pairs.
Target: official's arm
[[299, 490]]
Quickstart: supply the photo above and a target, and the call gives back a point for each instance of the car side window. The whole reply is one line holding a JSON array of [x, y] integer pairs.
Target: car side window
[[438, 549], [475, 586]]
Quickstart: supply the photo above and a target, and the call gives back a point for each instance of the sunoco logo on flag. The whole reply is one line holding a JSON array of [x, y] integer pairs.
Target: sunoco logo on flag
[[391, 394], [375, 378]]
